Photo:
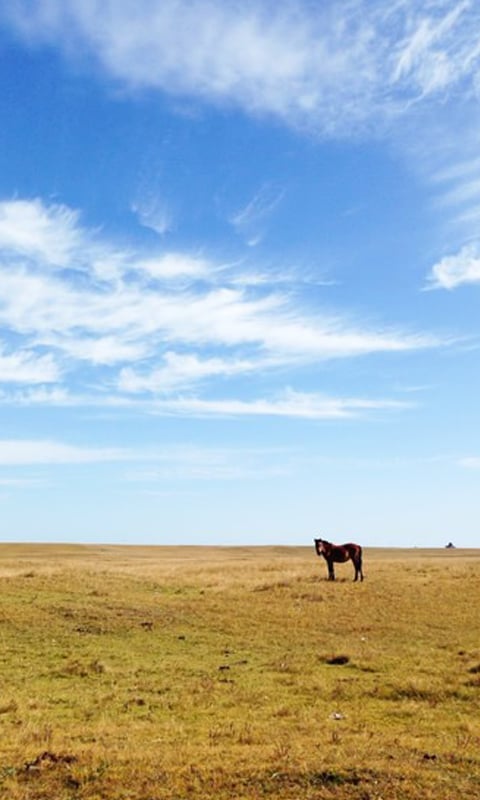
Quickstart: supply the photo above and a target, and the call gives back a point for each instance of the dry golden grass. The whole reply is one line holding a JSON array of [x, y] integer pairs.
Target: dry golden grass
[[174, 673]]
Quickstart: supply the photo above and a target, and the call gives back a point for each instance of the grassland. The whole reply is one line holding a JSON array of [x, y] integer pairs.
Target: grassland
[[174, 673]]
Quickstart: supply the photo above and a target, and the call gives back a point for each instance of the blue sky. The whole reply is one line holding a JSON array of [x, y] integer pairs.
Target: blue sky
[[240, 271]]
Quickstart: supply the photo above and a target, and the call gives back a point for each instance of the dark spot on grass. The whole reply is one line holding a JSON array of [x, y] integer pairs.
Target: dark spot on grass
[[135, 702], [93, 630], [366, 669], [330, 778], [337, 660], [325, 778]]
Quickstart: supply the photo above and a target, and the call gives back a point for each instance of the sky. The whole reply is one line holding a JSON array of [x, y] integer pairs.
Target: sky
[[240, 272]]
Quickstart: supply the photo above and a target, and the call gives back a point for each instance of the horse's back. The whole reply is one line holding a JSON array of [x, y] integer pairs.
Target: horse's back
[[355, 551]]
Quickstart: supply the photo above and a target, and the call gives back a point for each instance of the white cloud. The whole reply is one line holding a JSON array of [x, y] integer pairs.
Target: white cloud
[[182, 371], [173, 265], [60, 397], [97, 350], [50, 236], [41, 395], [335, 66], [158, 324], [124, 318], [49, 233], [23, 366], [455, 270]]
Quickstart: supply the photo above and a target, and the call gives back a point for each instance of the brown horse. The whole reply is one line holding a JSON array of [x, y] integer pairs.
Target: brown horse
[[339, 553]]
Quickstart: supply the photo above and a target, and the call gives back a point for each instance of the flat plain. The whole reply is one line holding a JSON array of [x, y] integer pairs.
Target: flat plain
[[164, 673]]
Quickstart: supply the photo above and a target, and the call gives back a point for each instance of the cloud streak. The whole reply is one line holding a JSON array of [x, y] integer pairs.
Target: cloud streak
[[291, 404]]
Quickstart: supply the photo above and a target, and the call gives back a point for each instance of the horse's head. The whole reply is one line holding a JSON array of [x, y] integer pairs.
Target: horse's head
[[320, 546]]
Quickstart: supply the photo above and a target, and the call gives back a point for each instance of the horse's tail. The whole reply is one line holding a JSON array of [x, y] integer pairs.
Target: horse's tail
[[360, 561]]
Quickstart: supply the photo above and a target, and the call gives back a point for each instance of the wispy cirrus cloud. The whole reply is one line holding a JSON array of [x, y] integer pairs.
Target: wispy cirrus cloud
[[170, 402], [453, 169], [158, 323], [153, 213], [30, 229], [298, 405], [336, 67], [250, 221], [39, 304], [436, 49], [452, 172]]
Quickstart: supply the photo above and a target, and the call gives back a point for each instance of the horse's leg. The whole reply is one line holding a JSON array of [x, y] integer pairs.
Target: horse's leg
[[358, 567], [331, 573]]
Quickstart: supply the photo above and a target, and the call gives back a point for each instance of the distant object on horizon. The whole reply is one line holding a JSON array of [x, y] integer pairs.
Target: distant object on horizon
[[450, 546]]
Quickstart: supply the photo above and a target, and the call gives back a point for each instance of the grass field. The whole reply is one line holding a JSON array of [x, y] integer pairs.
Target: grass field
[[175, 673]]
